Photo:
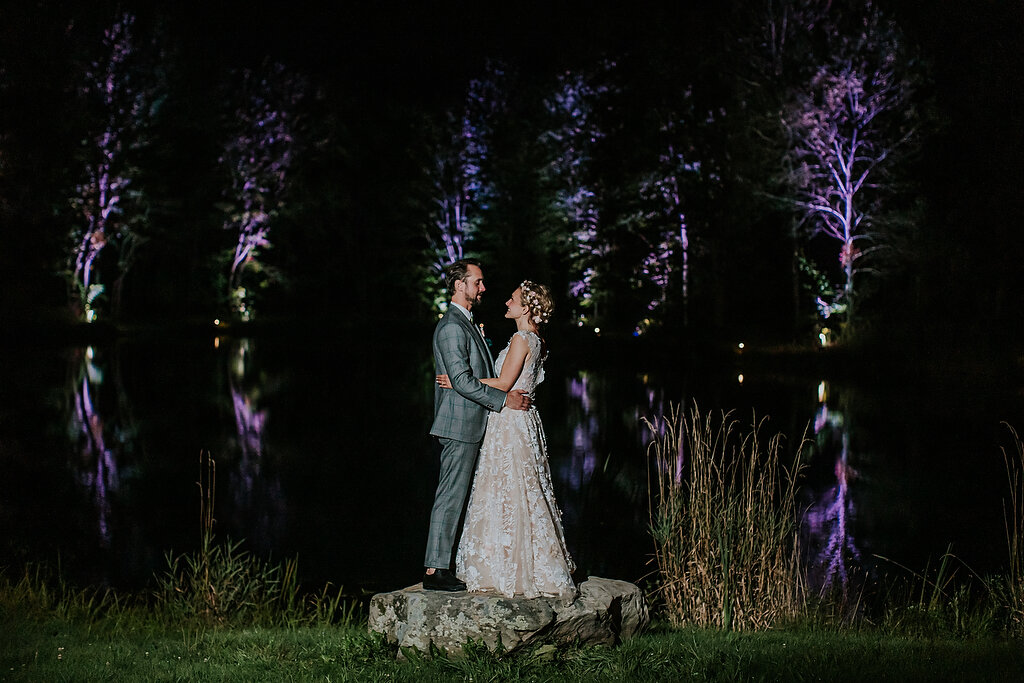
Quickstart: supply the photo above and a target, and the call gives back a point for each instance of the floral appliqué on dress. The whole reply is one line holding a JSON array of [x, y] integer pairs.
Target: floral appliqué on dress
[[513, 542]]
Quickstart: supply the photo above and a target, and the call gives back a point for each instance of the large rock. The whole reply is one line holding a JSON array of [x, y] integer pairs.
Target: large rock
[[606, 612]]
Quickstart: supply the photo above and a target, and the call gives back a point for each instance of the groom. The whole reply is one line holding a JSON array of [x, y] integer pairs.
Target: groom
[[460, 415]]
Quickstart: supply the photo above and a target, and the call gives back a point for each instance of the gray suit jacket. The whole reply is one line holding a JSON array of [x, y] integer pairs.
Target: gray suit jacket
[[460, 413]]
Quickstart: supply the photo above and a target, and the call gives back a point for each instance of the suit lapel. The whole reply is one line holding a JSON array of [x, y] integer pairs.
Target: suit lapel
[[478, 338]]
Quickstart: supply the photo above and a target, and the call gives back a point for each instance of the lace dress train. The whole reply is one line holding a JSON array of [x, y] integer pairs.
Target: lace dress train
[[512, 541]]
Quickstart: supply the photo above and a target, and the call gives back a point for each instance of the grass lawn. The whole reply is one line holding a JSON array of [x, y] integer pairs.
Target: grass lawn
[[931, 629], [51, 648]]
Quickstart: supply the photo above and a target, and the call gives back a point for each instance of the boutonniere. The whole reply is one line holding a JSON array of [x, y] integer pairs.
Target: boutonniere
[[484, 334]]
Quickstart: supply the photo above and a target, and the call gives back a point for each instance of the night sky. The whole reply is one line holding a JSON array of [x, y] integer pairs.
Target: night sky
[[429, 50], [423, 47]]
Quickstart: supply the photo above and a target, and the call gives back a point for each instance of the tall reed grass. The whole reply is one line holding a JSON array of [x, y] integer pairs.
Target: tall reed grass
[[723, 515], [222, 584], [1011, 589]]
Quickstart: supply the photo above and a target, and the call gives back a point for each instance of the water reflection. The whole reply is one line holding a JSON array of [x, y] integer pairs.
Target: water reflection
[[97, 440], [258, 507], [828, 521], [833, 559], [599, 469], [576, 470], [292, 462]]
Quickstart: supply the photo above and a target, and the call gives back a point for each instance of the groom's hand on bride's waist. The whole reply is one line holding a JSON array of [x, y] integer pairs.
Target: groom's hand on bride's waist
[[517, 399]]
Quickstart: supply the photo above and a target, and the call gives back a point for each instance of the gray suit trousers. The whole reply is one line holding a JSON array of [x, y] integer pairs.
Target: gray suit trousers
[[458, 462]]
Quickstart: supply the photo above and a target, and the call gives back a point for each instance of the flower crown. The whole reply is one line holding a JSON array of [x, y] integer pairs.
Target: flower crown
[[533, 299]]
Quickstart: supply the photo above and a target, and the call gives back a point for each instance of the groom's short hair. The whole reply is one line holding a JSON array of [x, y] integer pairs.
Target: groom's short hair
[[458, 271]]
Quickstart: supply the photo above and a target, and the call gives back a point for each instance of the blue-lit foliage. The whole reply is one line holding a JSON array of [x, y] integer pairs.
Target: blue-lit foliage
[[486, 103]]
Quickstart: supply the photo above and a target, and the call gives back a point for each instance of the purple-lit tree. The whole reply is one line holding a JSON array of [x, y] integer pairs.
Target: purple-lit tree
[[571, 139], [462, 173], [462, 186], [450, 225], [124, 92], [845, 125], [258, 155], [668, 242]]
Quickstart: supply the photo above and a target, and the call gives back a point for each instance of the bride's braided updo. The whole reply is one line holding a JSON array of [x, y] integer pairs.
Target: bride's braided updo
[[537, 298]]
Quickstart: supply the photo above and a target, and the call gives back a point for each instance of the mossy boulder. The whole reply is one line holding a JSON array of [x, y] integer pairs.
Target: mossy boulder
[[605, 612]]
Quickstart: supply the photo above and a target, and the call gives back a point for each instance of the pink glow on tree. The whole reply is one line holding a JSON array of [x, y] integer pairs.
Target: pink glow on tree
[[844, 126]]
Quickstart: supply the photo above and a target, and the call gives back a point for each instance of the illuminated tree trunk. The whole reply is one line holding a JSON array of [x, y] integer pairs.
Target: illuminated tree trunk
[[571, 140], [125, 93], [451, 224], [674, 239], [258, 156], [462, 173], [843, 126]]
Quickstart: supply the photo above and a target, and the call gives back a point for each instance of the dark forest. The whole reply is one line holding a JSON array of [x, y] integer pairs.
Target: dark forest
[[795, 173]]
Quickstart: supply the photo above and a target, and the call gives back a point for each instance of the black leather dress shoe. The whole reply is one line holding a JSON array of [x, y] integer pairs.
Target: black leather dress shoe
[[442, 580]]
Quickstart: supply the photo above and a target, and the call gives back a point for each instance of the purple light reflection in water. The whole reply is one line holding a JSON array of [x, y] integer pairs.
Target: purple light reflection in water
[[96, 459], [827, 522], [655, 416], [258, 502], [577, 470]]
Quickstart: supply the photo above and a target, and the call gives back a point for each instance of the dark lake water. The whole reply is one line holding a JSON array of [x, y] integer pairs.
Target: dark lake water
[[322, 453]]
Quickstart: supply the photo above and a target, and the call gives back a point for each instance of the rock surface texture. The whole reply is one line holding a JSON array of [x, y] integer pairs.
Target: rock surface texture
[[606, 612]]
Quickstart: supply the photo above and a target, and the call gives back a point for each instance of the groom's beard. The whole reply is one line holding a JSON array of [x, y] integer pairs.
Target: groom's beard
[[475, 301]]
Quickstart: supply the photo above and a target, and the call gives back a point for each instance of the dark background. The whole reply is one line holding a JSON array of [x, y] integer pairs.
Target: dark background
[[384, 66]]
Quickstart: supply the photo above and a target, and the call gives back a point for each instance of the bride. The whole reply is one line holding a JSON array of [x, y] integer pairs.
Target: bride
[[512, 541]]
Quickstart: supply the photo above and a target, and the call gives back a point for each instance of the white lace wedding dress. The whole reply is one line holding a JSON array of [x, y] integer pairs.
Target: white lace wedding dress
[[512, 541]]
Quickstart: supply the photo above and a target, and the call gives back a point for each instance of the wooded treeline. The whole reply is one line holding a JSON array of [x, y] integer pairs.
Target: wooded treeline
[[761, 171]]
